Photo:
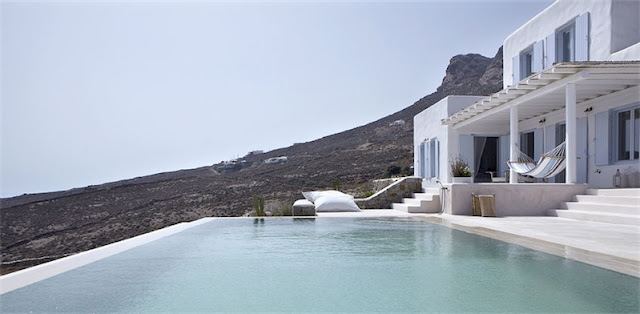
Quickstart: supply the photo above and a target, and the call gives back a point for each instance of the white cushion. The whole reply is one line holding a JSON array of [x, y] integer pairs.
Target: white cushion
[[313, 195], [303, 203], [336, 203]]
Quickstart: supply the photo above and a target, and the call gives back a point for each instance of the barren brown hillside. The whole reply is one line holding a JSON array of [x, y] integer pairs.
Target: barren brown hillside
[[41, 227]]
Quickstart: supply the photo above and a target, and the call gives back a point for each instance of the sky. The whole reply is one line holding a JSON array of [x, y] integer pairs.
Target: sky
[[99, 91]]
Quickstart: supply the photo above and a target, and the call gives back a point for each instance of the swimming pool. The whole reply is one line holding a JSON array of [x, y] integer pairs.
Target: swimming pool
[[329, 264]]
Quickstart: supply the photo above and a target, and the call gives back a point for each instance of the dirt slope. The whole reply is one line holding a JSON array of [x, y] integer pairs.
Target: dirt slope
[[41, 227]]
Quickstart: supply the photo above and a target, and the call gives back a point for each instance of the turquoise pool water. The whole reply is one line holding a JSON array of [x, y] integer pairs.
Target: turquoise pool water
[[303, 265]]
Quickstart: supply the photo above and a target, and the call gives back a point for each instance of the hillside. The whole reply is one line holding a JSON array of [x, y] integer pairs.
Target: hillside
[[41, 227]]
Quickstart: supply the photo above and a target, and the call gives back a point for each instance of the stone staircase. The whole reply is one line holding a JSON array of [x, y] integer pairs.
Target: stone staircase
[[619, 206], [426, 202]]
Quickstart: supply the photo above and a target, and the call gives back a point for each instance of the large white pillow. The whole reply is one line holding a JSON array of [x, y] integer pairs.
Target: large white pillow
[[303, 203], [313, 195], [336, 203]]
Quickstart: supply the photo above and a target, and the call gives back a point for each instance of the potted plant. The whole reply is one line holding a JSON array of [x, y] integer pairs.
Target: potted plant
[[460, 171]]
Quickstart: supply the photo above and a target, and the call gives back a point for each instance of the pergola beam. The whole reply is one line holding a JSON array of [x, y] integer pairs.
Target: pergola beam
[[527, 97]]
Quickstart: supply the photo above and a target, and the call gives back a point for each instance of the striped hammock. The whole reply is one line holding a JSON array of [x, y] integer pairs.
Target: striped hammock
[[549, 165]]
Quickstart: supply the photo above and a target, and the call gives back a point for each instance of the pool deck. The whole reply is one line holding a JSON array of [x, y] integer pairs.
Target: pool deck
[[611, 246]]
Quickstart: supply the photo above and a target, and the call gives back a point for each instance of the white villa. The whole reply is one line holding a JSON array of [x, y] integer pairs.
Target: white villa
[[571, 75]]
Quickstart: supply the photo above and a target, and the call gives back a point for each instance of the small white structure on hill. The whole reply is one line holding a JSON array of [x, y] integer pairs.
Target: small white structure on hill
[[397, 123], [571, 74], [276, 160], [255, 152]]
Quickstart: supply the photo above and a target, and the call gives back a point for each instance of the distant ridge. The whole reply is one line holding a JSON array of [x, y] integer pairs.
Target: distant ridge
[[61, 223]]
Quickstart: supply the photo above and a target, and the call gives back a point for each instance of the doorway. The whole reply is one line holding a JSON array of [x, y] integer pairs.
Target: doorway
[[485, 157]]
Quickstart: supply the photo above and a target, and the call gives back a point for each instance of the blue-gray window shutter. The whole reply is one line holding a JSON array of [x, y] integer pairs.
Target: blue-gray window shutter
[[418, 165], [516, 69], [581, 150], [538, 143], [427, 160], [602, 139], [436, 158], [537, 57], [550, 143], [549, 138], [582, 37], [550, 51], [504, 154]]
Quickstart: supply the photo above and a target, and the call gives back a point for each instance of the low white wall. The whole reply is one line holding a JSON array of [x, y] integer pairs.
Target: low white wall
[[526, 199]]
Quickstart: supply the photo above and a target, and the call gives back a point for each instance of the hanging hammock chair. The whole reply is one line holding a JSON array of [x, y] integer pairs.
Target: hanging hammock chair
[[549, 164]]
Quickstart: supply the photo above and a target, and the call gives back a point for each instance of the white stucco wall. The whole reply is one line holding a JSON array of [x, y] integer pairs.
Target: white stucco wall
[[630, 53], [512, 199], [563, 11], [427, 125]]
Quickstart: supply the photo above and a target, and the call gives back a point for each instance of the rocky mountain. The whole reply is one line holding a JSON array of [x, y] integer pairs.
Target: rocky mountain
[[41, 227]]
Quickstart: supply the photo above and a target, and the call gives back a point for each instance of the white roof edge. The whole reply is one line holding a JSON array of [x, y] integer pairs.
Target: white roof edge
[[529, 21], [578, 66]]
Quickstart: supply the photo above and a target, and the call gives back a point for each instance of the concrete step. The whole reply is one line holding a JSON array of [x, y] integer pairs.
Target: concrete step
[[420, 203], [425, 196], [603, 208], [610, 200], [407, 208], [425, 206], [415, 201], [615, 192], [435, 191], [622, 219]]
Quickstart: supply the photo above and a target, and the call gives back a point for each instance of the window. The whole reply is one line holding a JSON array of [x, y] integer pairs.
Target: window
[[526, 63], [429, 155], [566, 43], [526, 144], [626, 132]]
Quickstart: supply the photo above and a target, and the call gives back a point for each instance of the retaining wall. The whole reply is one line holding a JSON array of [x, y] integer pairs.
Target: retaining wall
[[394, 193]]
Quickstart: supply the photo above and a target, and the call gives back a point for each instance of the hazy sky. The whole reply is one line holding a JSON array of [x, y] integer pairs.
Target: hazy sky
[[94, 92]]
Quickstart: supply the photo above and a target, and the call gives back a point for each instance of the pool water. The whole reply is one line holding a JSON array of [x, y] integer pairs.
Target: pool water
[[329, 264]]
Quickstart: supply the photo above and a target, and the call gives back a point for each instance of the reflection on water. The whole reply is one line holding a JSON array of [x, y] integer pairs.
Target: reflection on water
[[316, 264]]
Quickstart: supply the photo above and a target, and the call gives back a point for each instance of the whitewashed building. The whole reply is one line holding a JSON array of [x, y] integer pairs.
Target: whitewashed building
[[571, 74]]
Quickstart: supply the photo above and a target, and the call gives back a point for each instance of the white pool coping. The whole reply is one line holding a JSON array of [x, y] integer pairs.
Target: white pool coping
[[606, 245], [610, 246], [27, 276], [365, 213]]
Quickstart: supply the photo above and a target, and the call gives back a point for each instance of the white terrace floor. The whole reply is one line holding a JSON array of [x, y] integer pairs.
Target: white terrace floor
[[611, 246]]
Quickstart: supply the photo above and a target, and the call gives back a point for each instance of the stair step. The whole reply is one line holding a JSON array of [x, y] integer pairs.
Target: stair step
[[610, 200], [414, 201], [604, 208], [420, 203], [407, 208], [422, 199], [622, 219], [435, 191], [426, 196], [615, 192]]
